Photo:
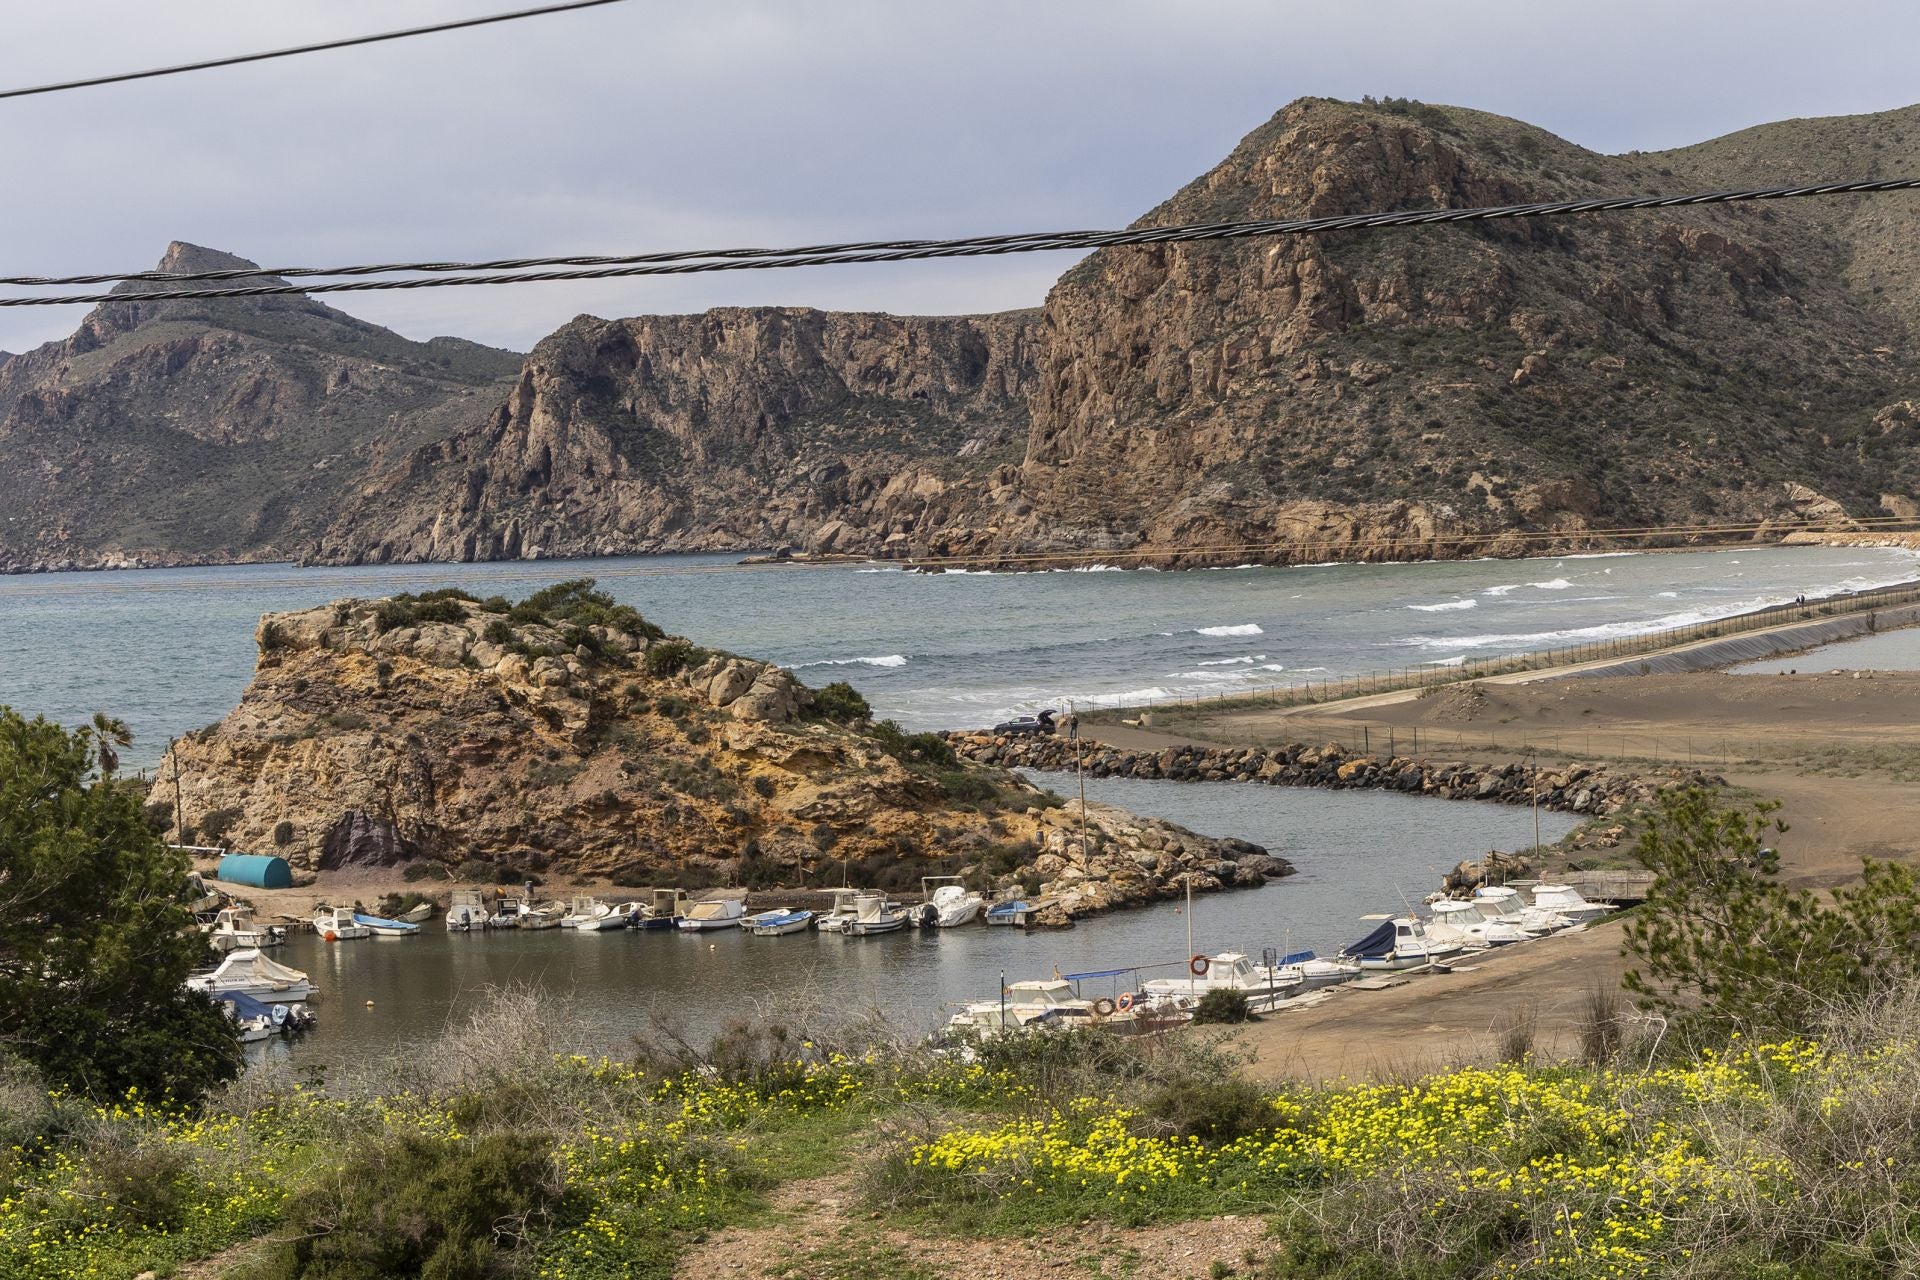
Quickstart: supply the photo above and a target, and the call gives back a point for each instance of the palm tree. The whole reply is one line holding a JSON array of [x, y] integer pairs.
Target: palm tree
[[109, 734]]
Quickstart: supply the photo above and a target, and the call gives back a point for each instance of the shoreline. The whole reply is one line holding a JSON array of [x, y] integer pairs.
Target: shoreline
[[1583, 544]]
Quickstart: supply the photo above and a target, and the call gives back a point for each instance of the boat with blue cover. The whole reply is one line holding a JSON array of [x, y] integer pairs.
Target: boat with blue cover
[[1009, 913], [771, 924], [384, 928]]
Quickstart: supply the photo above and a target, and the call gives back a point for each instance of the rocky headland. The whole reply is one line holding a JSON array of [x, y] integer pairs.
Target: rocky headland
[[566, 736]]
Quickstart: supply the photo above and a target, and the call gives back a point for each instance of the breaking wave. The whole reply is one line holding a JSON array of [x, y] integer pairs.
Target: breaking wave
[[884, 660], [1244, 629], [1446, 607]]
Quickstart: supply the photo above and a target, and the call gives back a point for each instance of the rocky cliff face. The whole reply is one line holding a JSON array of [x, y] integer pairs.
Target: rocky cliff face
[[377, 732], [182, 432], [1439, 392], [733, 429]]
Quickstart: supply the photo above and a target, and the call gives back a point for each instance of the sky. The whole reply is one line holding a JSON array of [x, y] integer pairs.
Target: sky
[[649, 125]]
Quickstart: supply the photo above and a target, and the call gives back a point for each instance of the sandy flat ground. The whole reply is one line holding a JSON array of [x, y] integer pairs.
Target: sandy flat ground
[[1842, 755]]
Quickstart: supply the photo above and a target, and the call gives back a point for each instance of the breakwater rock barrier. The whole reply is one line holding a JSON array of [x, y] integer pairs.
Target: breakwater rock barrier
[[1570, 788]]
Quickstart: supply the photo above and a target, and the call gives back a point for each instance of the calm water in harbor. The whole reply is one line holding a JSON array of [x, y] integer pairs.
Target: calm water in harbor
[[1356, 851], [171, 650], [1888, 651]]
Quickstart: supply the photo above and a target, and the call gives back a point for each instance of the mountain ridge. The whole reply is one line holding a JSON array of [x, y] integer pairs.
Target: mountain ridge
[[1452, 390]]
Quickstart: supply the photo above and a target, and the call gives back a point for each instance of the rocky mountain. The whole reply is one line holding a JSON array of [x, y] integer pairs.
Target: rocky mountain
[[567, 734], [183, 432], [1466, 389], [734, 429], [1388, 395]]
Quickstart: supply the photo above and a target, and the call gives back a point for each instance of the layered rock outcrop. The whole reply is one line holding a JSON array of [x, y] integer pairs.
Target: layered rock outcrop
[[739, 428], [562, 738]]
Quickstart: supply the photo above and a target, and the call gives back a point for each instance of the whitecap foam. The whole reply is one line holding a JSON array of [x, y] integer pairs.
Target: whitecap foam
[[884, 660], [1553, 584], [1244, 629], [1502, 589], [1445, 607], [1229, 662], [1669, 595]]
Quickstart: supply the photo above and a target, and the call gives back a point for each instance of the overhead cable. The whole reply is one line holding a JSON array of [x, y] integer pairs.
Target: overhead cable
[[346, 42], [697, 262]]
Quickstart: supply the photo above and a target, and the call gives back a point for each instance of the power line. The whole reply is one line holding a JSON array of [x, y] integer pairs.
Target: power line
[[696, 262], [345, 43]]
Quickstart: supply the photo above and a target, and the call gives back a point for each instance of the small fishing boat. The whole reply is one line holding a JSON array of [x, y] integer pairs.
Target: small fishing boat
[[1010, 913], [1463, 923], [467, 912], [668, 908], [1228, 971], [420, 913], [714, 913], [834, 919], [384, 928], [234, 928], [872, 914], [508, 915], [1316, 973], [249, 972], [949, 905], [339, 924], [259, 1020], [590, 915], [1023, 1006], [1565, 900], [550, 916], [1498, 902], [771, 924], [1401, 943]]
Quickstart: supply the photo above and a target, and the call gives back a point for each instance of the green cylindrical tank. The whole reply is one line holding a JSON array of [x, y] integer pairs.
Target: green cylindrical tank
[[258, 870]]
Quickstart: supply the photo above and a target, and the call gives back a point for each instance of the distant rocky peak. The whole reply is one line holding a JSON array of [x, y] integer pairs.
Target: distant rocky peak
[[182, 257]]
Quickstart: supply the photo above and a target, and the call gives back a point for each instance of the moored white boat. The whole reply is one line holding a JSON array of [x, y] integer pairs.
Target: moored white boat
[[872, 914], [1401, 943], [467, 911], [714, 913], [772, 924], [590, 915], [834, 918], [421, 912], [1565, 900], [950, 905], [1462, 922], [234, 928], [338, 924], [1228, 971], [251, 973], [547, 917], [1316, 973], [1498, 902]]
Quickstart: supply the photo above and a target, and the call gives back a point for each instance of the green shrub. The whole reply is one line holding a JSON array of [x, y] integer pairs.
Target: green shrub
[[1215, 1110], [671, 657], [499, 631], [841, 703], [913, 748], [1222, 1004], [418, 1206], [963, 786], [215, 826], [283, 832], [414, 872], [142, 1187]]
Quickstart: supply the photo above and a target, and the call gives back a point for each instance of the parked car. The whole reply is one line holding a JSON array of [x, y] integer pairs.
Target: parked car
[[1020, 725]]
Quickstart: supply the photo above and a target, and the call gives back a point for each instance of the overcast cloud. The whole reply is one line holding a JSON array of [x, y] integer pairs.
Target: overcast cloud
[[649, 125]]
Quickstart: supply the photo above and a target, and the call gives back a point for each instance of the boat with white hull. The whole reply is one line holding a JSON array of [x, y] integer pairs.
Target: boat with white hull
[[773, 924], [1565, 900], [873, 914], [251, 973], [834, 918], [339, 924], [384, 928], [234, 928], [1498, 902], [590, 915], [1228, 971], [714, 913], [1401, 943], [1462, 922], [948, 906]]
